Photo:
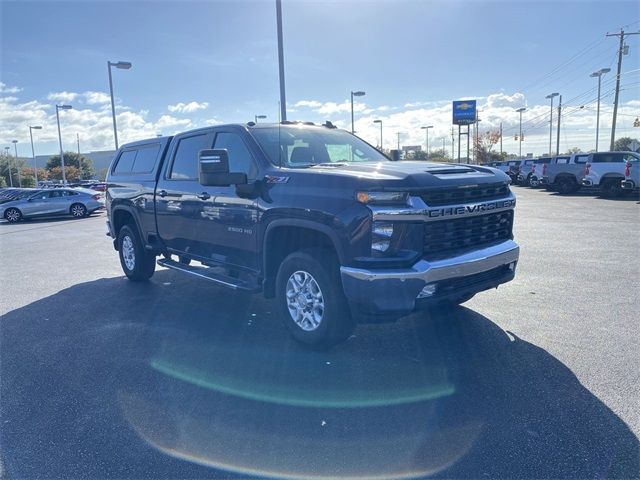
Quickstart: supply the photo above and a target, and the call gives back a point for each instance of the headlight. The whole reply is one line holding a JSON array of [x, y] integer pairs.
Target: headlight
[[383, 198], [381, 234]]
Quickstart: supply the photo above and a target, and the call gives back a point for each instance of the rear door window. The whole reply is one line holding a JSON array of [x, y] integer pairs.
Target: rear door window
[[125, 162], [612, 157], [146, 158]]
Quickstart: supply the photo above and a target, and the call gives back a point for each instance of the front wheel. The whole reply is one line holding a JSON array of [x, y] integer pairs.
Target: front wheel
[[13, 215], [534, 182], [310, 298], [566, 186], [612, 188], [137, 264]]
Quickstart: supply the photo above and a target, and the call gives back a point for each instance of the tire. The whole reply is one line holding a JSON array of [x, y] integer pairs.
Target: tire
[[78, 210], [12, 215], [566, 185], [318, 314], [137, 263], [534, 182], [610, 188]]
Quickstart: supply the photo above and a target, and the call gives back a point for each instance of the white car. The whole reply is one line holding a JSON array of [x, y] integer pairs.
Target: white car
[[606, 170]]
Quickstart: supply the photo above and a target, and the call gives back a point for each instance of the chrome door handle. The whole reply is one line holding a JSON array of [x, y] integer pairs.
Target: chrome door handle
[[204, 196], [162, 193]]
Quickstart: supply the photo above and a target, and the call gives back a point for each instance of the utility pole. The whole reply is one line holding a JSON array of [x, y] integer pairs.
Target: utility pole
[[79, 161], [398, 133], [283, 100], [621, 51], [500, 139], [558, 133], [453, 147]]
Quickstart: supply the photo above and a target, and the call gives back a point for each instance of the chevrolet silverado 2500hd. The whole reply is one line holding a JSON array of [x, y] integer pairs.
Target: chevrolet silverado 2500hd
[[313, 216]]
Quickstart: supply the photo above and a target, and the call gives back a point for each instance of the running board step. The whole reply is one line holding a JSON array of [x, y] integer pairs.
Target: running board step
[[207, 274]]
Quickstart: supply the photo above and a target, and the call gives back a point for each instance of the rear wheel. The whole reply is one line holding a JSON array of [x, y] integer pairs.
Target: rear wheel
[[137, 263], [78, 210], [310, 298], [13, 215], [566, 185]]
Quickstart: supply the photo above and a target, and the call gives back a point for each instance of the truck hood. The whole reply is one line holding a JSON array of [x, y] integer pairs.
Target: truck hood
[[408, 174]]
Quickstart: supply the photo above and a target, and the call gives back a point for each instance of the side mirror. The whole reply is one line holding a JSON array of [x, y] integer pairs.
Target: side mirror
[[213, 169]]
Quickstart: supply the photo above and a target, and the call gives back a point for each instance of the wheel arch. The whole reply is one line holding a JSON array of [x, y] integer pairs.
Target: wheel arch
[[283, 237]]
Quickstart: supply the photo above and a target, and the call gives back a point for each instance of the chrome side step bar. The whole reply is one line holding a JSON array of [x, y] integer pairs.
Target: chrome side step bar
[[206, 273]]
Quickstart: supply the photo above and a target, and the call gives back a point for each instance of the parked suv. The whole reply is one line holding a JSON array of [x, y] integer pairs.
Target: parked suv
[[564, 173], [606, 170], [312, 216], [510, 167]]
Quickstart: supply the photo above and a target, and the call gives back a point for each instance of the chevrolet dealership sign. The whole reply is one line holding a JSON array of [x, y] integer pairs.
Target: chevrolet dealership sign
[[464, 112]]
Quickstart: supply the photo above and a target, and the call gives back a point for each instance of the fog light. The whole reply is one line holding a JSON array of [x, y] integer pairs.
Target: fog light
[[427, 291], [512, 266]]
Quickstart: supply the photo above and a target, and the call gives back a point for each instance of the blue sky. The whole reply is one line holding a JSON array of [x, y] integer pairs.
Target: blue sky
[[198, 63]]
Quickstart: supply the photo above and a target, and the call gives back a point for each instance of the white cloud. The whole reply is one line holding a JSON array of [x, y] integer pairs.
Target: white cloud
[[5, 89], [96, 98], [62, 97], [307, 103], [188, 107]]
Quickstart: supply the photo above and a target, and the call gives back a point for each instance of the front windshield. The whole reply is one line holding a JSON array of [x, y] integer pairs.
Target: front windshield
[[295, 146]]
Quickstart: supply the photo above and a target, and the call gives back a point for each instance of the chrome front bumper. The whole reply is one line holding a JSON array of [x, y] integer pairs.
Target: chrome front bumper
[[397, 290]]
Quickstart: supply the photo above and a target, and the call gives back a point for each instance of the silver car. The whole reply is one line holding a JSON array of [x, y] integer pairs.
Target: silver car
[[77, 202]]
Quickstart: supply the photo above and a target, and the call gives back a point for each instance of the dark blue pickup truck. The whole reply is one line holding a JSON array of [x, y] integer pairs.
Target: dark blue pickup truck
[[313, 216]]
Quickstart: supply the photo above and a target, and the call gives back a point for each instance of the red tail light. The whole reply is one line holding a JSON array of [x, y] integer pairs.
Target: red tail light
[[533, 168], [587, 166], [96, 197], [520, 169], [544, 169], [627, 169]]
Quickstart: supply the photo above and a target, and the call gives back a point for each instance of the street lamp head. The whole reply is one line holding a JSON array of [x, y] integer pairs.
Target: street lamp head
[[121, 65], [36, 127], [551, 95], [14, 141], [261, 117], [64, 107], [600, 72], [358, 94], [377, 121], [427, 127], [522, 109]]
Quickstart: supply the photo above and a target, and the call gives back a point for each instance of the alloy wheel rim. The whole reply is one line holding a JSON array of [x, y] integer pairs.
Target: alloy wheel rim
[[305, 301], [12, 215], [128, 253], [78, 211]]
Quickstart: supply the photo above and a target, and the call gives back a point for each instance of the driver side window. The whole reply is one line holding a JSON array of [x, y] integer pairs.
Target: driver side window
[[240, 158]]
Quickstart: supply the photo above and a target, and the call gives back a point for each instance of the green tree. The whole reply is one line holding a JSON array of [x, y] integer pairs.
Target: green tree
[[8, 164], [83, 164], [623, 144]]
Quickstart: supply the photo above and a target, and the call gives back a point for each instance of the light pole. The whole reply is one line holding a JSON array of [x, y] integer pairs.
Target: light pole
[[520, 110], [283, 99], [261, 117], [58, 108], [398, 133], [33, 153], [124, 66], [6, 152], [551, 96], [15, 147], [380, 122], [354, 94], [426, 129], [444, 148], [599, 74]]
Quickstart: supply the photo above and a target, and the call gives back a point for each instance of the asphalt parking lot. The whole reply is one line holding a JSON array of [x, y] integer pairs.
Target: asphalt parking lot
[[176, 378]]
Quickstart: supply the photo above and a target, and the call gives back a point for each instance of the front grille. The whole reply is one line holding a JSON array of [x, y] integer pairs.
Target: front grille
[[445, 236], [452, 196]]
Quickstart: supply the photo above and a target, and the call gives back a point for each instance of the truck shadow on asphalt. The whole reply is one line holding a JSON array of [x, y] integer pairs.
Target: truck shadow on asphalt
[[178, 379]]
